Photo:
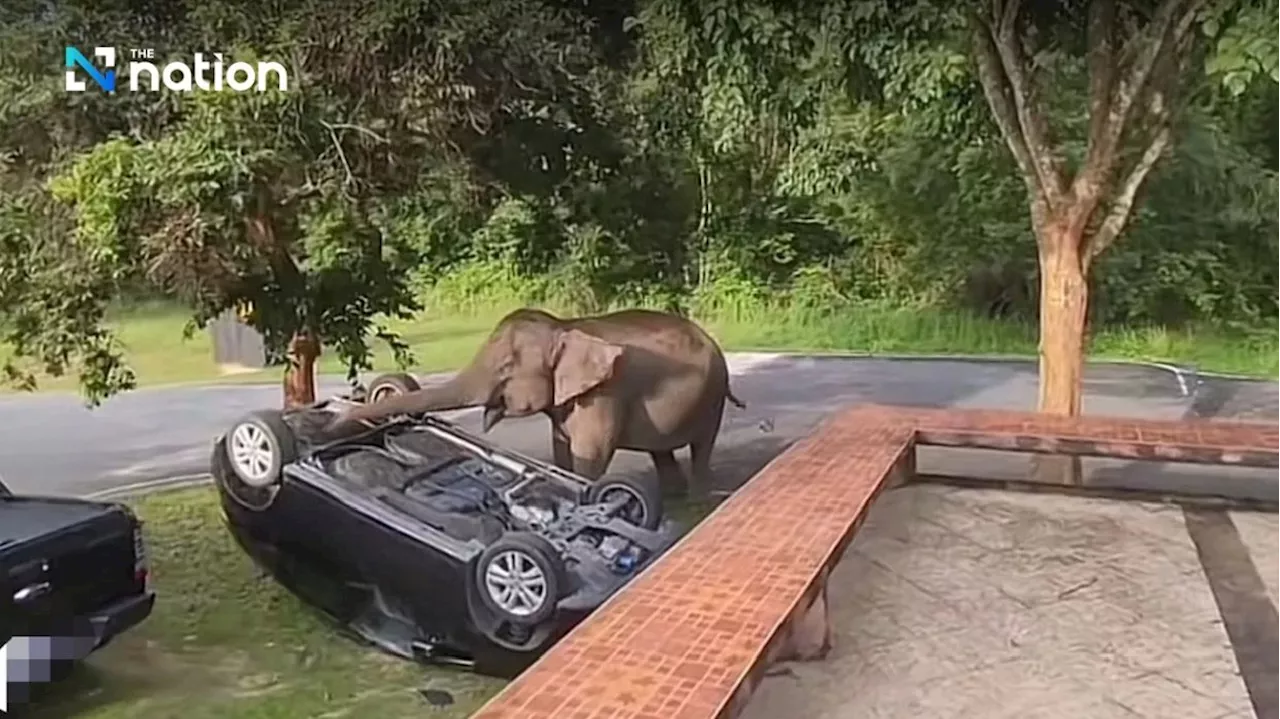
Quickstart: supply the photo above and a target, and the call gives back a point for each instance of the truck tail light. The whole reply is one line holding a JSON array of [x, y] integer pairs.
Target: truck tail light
[[141, 572]]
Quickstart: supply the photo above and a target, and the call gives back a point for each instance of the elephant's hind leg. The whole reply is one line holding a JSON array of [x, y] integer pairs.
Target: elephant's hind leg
[[702, 482], [670, 478]]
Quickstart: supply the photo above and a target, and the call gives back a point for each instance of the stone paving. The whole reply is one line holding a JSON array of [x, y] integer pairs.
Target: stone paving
[[987, 604], [964, 603]]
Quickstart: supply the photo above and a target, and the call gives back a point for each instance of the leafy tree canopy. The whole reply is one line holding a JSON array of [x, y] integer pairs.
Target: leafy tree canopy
[[277, 200], [715, 155]]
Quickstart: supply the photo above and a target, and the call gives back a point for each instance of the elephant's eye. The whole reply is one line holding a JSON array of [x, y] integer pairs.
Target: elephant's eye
[[506, 369], [497, 397]]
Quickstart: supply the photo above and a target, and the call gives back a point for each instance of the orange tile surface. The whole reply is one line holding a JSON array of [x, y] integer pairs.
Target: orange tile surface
[[688, 635], [1200, 441]]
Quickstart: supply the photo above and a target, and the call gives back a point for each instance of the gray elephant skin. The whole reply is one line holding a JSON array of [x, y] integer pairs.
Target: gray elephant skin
[[636, 379]]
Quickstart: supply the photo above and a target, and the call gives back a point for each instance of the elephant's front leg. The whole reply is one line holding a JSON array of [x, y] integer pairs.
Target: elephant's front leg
[[592, 431], [591, 457], [561, 455], [670, 478]]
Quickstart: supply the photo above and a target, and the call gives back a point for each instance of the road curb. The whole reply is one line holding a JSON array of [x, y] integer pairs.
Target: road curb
[[1030, 359], [151, 486], [1189, 379]]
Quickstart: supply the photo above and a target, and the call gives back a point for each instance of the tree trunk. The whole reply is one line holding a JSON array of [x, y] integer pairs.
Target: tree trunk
[[1064, 302], [300, 373]]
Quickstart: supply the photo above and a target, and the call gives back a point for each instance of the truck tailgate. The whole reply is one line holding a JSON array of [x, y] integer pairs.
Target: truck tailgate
[[62, 560], [25, 518]]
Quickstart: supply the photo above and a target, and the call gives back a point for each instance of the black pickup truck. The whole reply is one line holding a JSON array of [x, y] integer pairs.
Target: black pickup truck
[[73, 575]]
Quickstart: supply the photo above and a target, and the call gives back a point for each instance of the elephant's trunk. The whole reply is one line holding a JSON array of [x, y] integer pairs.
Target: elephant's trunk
[[468, 388]]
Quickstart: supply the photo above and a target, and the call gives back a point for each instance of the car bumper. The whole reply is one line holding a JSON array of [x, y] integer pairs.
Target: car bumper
[[34, 660], [90, 632], [108, 622], [44, 658]]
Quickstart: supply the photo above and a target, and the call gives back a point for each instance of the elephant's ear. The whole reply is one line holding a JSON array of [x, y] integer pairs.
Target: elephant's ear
[[582, 362]]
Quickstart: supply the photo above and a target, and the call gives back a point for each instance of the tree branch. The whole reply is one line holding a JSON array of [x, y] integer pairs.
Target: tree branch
[[1160, 100], [1163, 96], [1152, 46], [1101, 57], [342, 155], [995, 88], [1184, 39], [1160, 35], [305, 192], [1122, 206], [1007, 15], [1030, 113]]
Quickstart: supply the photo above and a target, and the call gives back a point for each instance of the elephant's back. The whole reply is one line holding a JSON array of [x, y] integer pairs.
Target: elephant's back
[[658, 332]]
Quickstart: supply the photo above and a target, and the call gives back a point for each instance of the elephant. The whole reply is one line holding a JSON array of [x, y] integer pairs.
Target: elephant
[[637, 380]]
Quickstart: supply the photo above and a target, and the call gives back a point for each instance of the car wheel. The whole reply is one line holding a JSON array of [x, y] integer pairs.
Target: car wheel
[[520, 576], [643, 495], [389, 385], [258, 448]]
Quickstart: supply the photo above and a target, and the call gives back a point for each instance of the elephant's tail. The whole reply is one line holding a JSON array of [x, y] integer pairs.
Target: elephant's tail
[[736, 402]]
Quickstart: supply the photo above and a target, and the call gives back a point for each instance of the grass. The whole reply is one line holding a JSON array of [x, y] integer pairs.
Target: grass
[[907, 331], [225, 641], [160, 356]]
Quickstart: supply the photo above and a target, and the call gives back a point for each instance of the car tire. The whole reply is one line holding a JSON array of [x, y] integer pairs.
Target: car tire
[[645, 508], [519, 578], [233, 491], [259, 445], [388, 385]]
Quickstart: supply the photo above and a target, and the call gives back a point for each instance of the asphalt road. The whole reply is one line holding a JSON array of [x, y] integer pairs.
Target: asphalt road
[[52, 444]]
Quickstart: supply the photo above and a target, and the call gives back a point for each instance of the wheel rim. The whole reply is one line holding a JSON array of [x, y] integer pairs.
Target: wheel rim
[[634, 510], [516, 583], [381, 392], [252, 454]]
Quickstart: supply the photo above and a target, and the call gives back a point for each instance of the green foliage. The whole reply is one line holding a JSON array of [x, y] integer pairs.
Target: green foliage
[[1246, 45], [1204, 246], [217, 213], [306, 206], [53, 301], [715, 157]]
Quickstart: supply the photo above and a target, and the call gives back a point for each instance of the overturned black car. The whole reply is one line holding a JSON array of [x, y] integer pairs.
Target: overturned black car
[[428, 541]]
